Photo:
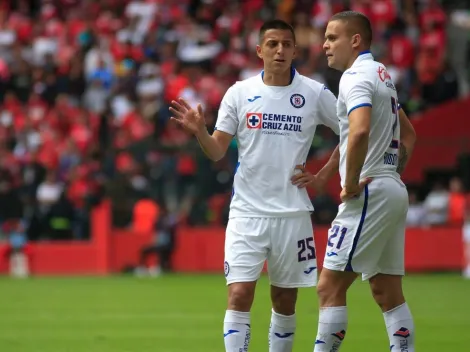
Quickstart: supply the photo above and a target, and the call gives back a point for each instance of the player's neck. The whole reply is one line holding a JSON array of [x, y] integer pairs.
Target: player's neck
[[351, 61], [355, 56], [283, 79]]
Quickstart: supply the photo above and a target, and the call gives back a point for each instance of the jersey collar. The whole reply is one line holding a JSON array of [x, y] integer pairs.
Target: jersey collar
[[292, 74], [363, 56]]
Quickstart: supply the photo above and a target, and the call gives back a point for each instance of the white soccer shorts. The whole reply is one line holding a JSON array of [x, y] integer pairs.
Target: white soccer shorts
[[286, 243], [368, 233]]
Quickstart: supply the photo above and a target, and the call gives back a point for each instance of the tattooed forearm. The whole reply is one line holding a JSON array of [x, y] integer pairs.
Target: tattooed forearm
[[402, 159]]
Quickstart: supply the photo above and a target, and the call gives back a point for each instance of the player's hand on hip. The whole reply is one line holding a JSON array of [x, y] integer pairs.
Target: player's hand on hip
[[190, 119], [355, 191], [303, 178]]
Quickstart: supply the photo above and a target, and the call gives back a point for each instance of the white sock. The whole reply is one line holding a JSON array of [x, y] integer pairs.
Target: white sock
[[236, 331], [400, 329], [281, 332], [332, 325]]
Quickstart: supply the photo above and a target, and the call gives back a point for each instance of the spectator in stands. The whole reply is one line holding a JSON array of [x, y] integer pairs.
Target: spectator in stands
[[458, 33], [416, 216], [436, 205], [456, 202], [17, 250], [163, 246], [401, 58], [59, 221], [48, 193], [89, 71], [442, 87]]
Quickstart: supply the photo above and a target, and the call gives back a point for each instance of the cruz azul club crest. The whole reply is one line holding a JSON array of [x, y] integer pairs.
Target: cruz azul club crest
[[297, 100]]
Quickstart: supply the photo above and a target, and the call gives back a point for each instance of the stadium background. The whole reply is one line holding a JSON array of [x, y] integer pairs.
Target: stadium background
[[89, 164]]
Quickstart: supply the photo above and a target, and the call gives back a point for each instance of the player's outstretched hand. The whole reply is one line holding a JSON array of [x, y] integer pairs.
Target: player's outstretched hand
[[303, 178], [184, 115], [349, 193]]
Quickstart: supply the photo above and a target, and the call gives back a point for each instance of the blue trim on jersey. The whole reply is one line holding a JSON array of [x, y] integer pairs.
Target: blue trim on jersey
[[394, 144], [359, 106], [236, 169], [364, 52], [292, 74], [359, 230]]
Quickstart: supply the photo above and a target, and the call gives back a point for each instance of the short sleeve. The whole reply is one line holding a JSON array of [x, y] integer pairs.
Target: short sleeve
[[357, 90], [327, 110], [227, 119]]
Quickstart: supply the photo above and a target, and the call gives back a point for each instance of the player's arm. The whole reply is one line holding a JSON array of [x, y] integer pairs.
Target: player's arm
[[319, 180], [407, 141], [326, 114], [358, 142], [214, 146], [329, 117], [357, 90], [331, 167]]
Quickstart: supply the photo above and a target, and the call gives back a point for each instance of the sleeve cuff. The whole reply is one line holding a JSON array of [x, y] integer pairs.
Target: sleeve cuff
[[359, 106], [223, 129]]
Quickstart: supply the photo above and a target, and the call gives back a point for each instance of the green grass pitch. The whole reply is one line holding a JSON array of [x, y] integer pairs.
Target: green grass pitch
[[183, 313]]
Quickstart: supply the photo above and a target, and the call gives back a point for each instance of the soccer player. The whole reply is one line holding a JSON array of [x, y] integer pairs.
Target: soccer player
[[367, 236], [273, 117]]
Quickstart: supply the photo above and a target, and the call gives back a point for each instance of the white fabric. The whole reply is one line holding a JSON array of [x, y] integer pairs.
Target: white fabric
[[286, 243], [274, 128], [49, 193], [367, 83], [368, 234]]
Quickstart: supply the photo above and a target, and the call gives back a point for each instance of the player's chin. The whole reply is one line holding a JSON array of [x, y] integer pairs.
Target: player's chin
[[280, 66], [332, 64], [331, 61]]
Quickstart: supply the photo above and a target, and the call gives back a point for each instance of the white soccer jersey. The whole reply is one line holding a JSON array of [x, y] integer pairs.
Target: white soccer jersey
[[274, 128], [367, 83]]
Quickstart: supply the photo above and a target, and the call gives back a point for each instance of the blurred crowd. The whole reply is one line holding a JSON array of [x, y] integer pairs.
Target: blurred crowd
[[85, 87], [444, 205]]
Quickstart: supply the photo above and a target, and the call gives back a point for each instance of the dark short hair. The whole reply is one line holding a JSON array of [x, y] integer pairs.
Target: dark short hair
[[275, 24], [359, 22]]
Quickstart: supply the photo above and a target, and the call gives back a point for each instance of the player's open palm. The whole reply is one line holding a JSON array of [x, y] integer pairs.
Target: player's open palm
[[190, 119]]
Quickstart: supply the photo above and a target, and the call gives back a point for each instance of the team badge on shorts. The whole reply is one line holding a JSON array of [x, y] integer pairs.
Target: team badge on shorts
[[297, 100], [226, 268], [254, 120]]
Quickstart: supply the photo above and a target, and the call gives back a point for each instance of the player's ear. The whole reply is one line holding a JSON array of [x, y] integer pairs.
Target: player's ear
[[295, 51], [258, 52], [356, 41]]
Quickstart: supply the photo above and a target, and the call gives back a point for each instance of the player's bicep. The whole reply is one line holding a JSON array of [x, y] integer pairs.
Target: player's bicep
[[327, 110], [359, 120]]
